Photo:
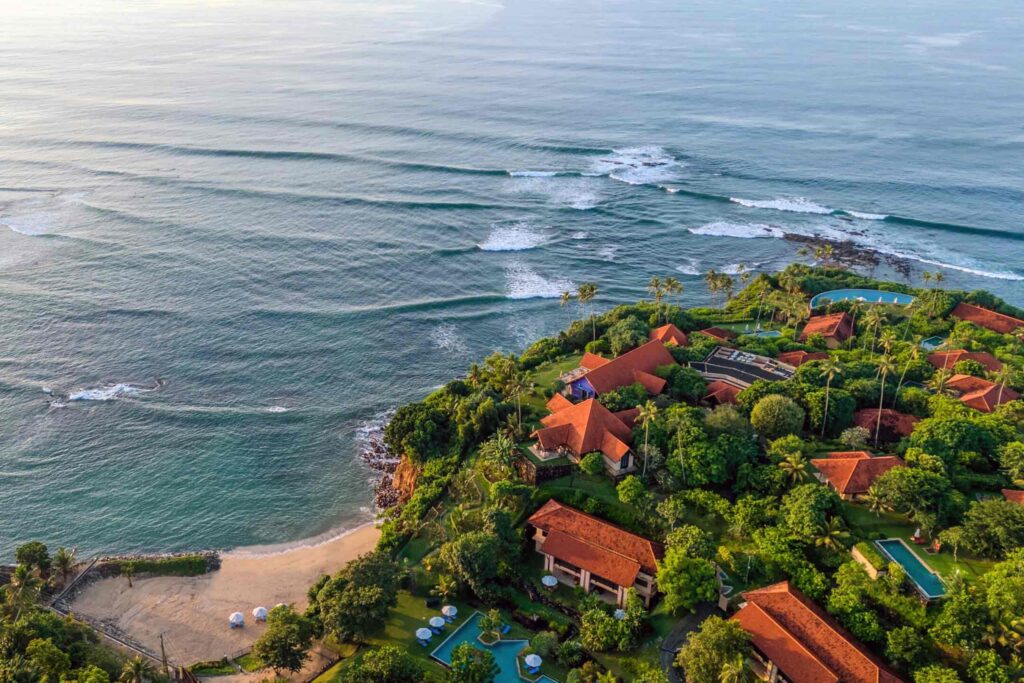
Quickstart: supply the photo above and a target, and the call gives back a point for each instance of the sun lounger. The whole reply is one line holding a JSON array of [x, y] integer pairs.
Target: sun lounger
[[505, 629], [449, 619], [533, 670], [422, 642]]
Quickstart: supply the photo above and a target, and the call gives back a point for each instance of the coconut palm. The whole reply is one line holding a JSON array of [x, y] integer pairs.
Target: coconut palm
[[915, 353], [735, 671], [885, 368], [64, 562], [128, 571], [475, 376], [585, 293], [565, 298], [832, 535], [939, 382], [830, 369], [795, 466], [501, 450], [446, 587], [874, 502], [873, 320], [673, 287], [648, 412], [137, 670], [22, 591], [713, 283], [657, 290], [927, 277], [855, 308], [1000, 377], [887, 340], [516, 385], [939, 277]]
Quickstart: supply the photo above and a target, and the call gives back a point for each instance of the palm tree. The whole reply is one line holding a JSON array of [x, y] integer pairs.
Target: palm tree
[[885, 368], [475, 376], [501, 450], [515, 387], [830, 369], [727, 285], [673, 287], [734, 671], [795, 466], [887, 339], [938, 382], [585, 293], [873, 501], [915, 353], [657, 290], [565, 298], [128, 571], [1001, 377], [927, 277], [939, 277], [873, 319], [137, 670], [713, 283], [648, 412], [446, 587], [64, 562], [832, 535], [855, 308], [22, 591]]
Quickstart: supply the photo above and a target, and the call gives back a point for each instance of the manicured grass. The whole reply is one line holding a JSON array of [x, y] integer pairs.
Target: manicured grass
[[221, 668], [249, 662], [544, 376], [409, 614]]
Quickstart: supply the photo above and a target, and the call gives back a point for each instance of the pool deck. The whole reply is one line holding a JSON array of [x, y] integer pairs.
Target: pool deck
[[541, 678], [910, 551]]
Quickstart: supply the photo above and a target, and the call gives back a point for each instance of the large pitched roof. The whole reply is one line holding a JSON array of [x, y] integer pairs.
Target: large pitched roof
[[722, 392], [852, 473], [1014, 496], [585, 427], [944, 360], [719, 333], [633, 366], [798, 358], [836, 325], [670, 334], [804, 642], [979, 393], [997, 322], [594, 544], [893, 421]]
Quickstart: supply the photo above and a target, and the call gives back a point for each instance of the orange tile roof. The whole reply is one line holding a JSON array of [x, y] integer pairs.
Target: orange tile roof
[[1014, 496], [835, 325], [805, 643], [848, 455], [997, 322], [585, 427], [854, 474], [979, 393], [894, 423], [945, 360], [558, 402], [592, 360], [594, 544], [633, 366], [719, 334], [798, 358], [722, 392], [670, 334]]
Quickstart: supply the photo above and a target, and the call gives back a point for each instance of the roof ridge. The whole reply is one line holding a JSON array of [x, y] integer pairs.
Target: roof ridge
[[793, 636]]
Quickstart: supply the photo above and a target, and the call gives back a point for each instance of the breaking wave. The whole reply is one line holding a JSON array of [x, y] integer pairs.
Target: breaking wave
[[111, 392], [741, 230], [518, 237], [446, 337], [792, 204], [637, 165], [522, 282]]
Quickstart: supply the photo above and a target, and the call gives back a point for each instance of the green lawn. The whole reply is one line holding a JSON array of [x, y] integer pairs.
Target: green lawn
[[544, 376], [222, 668], [249, 662]]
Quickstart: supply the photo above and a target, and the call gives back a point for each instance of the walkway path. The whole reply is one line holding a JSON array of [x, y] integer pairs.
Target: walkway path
[[678, 636]]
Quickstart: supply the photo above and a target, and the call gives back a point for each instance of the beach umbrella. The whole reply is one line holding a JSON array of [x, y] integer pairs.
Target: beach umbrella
[[260, 614], [437, 622], [533, 660], [449, 610], [236, 619], [424, 633], [549, 581], [620, 614]]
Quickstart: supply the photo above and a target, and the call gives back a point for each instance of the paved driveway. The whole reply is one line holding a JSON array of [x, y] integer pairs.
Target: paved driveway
[[678, 636]]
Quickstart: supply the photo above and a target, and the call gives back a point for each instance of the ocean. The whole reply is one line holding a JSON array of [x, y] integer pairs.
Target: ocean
[[233, 235]]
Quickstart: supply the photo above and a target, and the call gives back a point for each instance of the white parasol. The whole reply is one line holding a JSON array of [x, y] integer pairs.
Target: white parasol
[[449, 610], [549, 581], [533, 660], [424, 633], [437, 622]]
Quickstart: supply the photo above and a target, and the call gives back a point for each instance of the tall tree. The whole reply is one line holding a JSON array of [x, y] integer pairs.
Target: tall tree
[[673, 287], [286, 640], [885, 368], [648, 413], [915, 353], [830, 369], [137, 670], [64, 562], [585, 293]]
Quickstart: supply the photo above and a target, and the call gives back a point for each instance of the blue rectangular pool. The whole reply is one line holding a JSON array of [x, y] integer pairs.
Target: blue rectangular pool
[[928, 582], [505, 652]]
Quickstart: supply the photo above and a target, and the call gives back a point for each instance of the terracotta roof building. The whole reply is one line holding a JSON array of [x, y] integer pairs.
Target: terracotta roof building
[[719, 334], [795, 639], [721, 392], [581, 428], [945, 360], [603, 375], [851, 473], [982, 317], [1014, 496], [582, 550], [895, 425], [979, 393], [669, 334], [798, 358], [835, 328]]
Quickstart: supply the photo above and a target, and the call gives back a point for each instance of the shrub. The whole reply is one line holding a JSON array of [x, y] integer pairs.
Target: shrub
[[871, 554], [775, 416]]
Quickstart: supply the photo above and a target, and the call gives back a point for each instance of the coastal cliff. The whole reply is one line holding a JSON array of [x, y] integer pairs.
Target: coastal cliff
[[404, 479]]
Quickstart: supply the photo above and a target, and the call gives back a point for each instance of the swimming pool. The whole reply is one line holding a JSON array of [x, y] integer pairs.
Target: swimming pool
[[932, 343], [505, 652], [869, 295], [928, 582]]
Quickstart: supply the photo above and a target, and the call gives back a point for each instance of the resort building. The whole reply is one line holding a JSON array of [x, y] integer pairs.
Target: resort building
[[851, 473], [946, 360], [582, 550], [718, 334], [798, 358], [895, 425], [740, 368], [979, 393], [720, 392], [575, 429], [835, 328], [670, 334], [1014, 496], [982, 317], [598, 375], [794, 640]]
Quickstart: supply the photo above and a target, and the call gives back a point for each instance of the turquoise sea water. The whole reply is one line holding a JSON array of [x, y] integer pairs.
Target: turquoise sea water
[[254, 227]]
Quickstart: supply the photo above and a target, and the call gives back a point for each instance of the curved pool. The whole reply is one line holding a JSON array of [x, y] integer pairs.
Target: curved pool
[[874, 296], [506, 652]]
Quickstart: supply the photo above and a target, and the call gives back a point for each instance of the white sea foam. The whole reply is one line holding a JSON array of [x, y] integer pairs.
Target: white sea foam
[[579, 235], [792, 204], [516, 237], [275, 409], [109, 392], [522, 282], [40, 215], [637, 165], [691, 267], [742, 230], [533, 174], [868, 216], [446, 337], [608, 251], [576, 193]]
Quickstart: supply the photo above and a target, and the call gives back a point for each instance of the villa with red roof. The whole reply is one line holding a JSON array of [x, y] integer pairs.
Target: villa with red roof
[[982, 317], [575, 429], [719, 334], [720, 392], [979, 393], [582, 550], [670, 334], [946, 360], [895, 425], [1014, 496], [851, 473], [798, 358], [600, 375], [795, 640], [835, 328]]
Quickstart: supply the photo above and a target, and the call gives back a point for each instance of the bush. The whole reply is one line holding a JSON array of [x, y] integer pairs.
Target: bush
[[626, 334], [180, 565], [776, 416], [871, 554]]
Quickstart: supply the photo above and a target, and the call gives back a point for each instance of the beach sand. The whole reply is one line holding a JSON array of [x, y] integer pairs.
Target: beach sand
[[192, 612]]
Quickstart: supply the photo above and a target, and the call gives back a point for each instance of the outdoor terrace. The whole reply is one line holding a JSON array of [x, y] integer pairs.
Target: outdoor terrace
[[741, 368]]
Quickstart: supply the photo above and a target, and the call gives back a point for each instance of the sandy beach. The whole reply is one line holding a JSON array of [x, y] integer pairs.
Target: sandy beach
[[192, 612]]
